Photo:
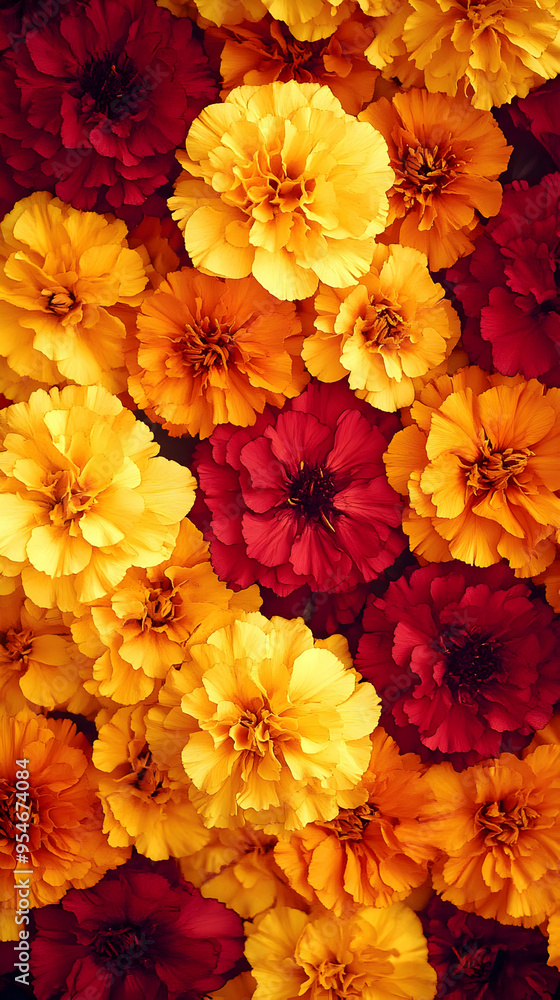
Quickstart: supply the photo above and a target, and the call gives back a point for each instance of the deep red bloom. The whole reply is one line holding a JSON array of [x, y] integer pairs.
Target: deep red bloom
[[479, 959], [540, 112], [464, 659], [509, 286], [139, 934], [96, 103], [302, 496]]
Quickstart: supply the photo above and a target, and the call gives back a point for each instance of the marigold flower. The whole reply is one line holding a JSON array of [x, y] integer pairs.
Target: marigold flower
[[143, 807], [60, 816], [479, 466], [371, 855], [142, 934], [497, 825], [282, 725], [386, 332], [553, 930], [372, 954], [281, 183], [62, 273], [491, 51], [212, 351], [447, 157], [82, 495]]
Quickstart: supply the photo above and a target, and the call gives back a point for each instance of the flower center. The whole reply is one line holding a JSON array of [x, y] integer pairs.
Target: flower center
[[67, 499], [122, 947], [206, 345], [501, 822], [382, 326], [311, 491], [159, 607], [8, 810], [147, 777], [351, 824], [265, 188], [471, 660], [113, 84], [475, 964], [17, 643], [255, 731], [60, 303], [494, 469]]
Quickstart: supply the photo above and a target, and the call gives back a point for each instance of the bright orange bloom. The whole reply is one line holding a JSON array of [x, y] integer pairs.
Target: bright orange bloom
[[63, 276], [497, 825], [280, 182], [82, 495], [373, 854], [66, 847], [479, 465], [212, 351], [447, 157], [267, 51], [386, 334], [143, 628], [492, 51]]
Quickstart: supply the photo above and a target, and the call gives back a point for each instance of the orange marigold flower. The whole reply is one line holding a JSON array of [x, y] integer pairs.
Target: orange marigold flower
[[447, 157], [82, 495], [497, 825], [40, 663], [280, 182], [63, 275], [267, 51], [371, 954], [374, 854], [142, 805], [238, 868], [282, 725], [553, 931], [479, 465], [212, 351], [61, 816], [143, 628], [493, 51], [386, 332]]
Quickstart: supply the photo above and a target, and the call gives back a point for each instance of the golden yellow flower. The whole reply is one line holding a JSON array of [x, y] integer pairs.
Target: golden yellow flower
[[143, 628], [479, 465], [392, 328], [447, 158], [280, 182], [282, 725], [82, 495], [240, 988], [373, 854], [59, 815], [497, 825], [492, 51], [143, 807], [63, 275], [370, 955], [212, 351], [39, 662]]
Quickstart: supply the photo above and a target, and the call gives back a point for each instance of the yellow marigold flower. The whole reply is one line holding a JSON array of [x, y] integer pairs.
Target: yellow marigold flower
[[447, 157], [492, 51], [143, 628], [142, 805], [371, 954], [40, 663], [240, 988], [372, 855], [63, 275], [497, 825], [282, 725], [82, 495], [479, 466], [387, 52], [66, 846], [206, 12], [212, 352], [280, 182], [238, 868], [386, 332]]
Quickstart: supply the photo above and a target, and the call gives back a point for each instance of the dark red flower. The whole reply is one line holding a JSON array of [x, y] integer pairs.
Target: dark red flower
[[509, 286], [96, 103], [464, 659], [479, 959], [540, 112], [302, 496]]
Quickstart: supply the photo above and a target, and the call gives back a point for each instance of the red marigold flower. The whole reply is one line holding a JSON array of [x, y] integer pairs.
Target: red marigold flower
[[508, 287], [465, 661], [301, 497], [95, 104], [480, 959], [143, 934], [540, 112]]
